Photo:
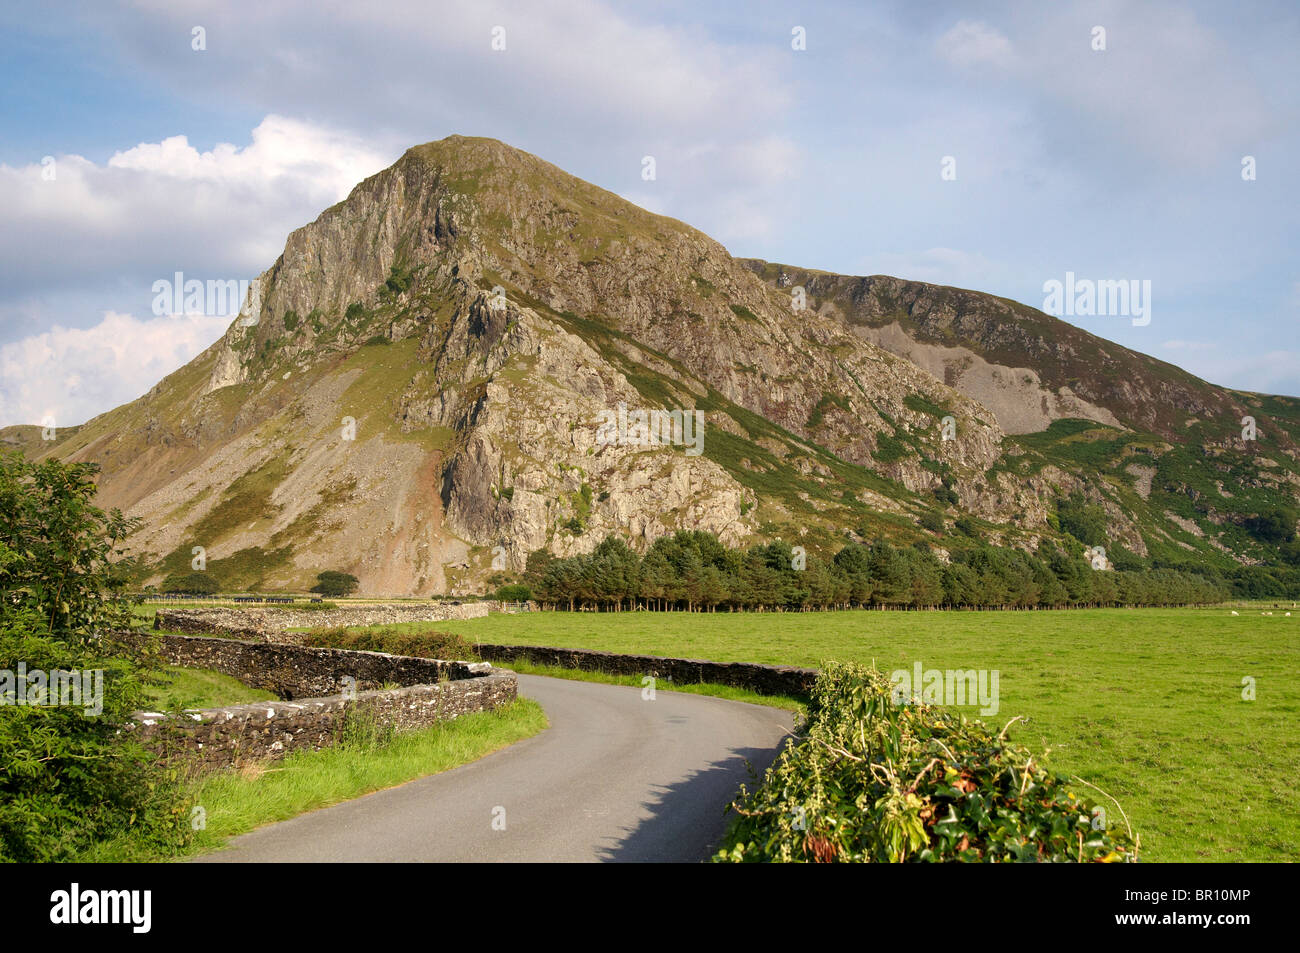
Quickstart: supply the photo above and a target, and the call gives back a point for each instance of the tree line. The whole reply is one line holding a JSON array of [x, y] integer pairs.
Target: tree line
[[693, 571]]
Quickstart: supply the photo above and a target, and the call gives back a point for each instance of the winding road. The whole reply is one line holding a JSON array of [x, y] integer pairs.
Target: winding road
[[614, 778]]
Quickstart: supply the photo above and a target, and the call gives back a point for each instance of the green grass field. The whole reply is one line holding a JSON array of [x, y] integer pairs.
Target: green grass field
[[179, 688], [1144, 703]]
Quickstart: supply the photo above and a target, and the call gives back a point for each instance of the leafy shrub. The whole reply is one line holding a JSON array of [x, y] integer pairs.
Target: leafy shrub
[[945, 494], [874, 781], [932, 521], [335, 584], [1084, 522], [69, 777], [923, 405], [889, 448], [430, 644], [514, 593], [1272, 526], [1123, 560], [399, 280]]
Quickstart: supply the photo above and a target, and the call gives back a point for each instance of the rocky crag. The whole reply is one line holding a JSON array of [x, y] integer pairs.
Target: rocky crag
[[415, 392]]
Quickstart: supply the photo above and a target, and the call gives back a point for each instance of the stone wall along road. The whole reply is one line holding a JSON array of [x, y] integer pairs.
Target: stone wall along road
[[320, 689]]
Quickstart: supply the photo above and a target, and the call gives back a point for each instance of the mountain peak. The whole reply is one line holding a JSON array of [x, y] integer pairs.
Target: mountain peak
[[418, 384], [470, 152]]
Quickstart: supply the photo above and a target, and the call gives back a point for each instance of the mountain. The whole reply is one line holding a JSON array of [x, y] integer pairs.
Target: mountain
[[415, 392]]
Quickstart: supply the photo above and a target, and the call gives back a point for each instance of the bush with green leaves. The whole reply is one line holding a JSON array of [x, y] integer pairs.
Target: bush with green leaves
[[932, 521], [335, 584], [875, 781], [69, 777], [1085, 522], [514, 592], [1272, 526]]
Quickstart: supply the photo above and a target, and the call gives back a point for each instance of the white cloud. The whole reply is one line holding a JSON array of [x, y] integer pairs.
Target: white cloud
[[1168, 85], [944, 266], [741, 182], [566, 64], [971, 43], [72, 374], [163, 207], [766, 161], [591, 86], [327, 162], [1268, 372]]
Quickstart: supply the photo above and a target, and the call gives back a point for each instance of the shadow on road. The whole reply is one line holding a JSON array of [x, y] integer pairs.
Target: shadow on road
[[691, 812]]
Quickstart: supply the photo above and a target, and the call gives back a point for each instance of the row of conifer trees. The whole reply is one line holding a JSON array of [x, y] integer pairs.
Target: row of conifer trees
[[694, 571]]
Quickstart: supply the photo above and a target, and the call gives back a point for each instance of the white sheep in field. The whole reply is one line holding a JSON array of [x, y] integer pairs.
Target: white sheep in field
[[1235, 612]]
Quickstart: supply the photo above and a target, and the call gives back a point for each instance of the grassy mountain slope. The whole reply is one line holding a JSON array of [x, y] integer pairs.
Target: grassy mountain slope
[[414, 390], [1148, 439]]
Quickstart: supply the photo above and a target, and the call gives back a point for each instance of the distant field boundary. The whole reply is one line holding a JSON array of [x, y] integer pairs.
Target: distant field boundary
[[760, 679]]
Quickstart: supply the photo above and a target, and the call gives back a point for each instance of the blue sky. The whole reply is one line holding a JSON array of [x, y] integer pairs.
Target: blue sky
[[1122, 163]]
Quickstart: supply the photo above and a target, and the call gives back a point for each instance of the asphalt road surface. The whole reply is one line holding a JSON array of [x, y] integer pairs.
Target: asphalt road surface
[[614, 778]]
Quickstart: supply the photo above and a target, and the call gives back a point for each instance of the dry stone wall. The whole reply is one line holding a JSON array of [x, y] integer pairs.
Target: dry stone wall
[[272, 624], [763, 679], [319, 688], [238, 734], [296, 671]]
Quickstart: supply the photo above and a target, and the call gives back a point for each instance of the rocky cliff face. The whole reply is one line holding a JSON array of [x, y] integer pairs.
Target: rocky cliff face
[[1026, 366], [416, 392]]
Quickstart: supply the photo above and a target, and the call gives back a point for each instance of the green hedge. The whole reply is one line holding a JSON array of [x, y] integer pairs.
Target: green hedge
[[875, 781]]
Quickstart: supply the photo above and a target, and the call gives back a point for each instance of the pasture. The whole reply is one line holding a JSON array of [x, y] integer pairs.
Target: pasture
[[1146, 704]]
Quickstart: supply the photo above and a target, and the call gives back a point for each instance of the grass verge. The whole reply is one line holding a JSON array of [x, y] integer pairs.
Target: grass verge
[[237, 801]]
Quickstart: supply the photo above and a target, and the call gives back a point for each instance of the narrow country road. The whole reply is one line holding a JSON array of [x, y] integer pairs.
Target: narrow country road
[[614, 778]]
